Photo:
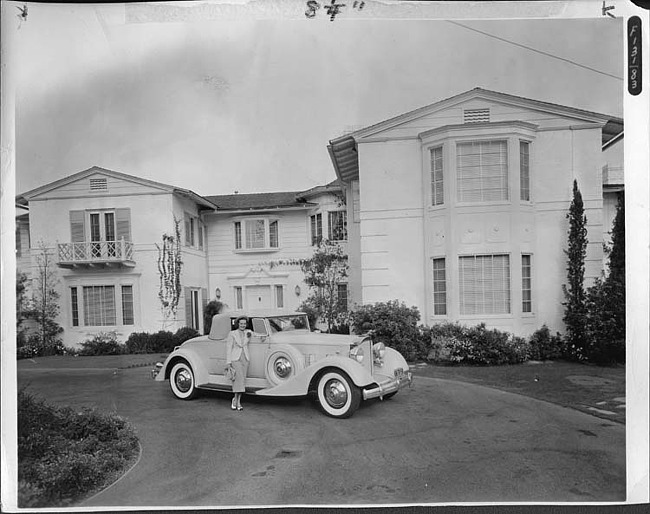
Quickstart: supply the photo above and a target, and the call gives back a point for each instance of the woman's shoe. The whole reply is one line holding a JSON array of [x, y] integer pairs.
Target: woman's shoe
[[239, 407], [233, 405]]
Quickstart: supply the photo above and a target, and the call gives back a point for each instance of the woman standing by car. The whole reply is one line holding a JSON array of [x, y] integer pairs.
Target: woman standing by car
[[238, 357]]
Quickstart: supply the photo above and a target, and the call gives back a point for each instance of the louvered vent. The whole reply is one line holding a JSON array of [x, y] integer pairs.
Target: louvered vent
[[476, 115], [97, 184]]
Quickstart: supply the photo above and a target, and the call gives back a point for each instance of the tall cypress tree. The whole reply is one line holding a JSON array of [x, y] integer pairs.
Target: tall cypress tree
[[575, 313], [606, 300]]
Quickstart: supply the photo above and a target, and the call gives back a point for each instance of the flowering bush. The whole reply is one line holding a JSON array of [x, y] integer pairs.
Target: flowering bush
[[33, 346], [456, 344]]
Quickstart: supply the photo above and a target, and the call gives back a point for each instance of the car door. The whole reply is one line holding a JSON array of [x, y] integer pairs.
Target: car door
[[257, 347]]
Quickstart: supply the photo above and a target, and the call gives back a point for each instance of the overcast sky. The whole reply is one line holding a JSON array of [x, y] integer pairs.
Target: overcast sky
[[218, 106]]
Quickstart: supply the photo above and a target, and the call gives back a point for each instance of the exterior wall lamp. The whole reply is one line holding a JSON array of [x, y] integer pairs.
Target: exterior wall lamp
[[297, 290], [217, 293]]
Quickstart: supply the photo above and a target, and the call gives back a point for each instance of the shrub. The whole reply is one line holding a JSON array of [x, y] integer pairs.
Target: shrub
[[138, 342], [544, 346], [212, 308], [35, 346], [183, 334], [311, 311], [64, 454], [104, 343], [162, 341], [455, 344], [393, 323]]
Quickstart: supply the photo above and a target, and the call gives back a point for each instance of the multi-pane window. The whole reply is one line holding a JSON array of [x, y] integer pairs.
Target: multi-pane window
[[75, 306], [524, 170], [256, 234], [439, 287], [239, 298], [342, 296], [484, 284], [482, 171], [279, 297], [200, 235], [237, 235], [316, 224], [127, 305], [99, 306], [338, 226], [437, 192], [526, 284]]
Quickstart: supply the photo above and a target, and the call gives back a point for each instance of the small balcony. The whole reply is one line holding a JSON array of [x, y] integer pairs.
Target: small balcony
[[98, 254]]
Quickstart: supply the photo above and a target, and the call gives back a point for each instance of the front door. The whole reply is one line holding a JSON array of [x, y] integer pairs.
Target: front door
[[258, 297]]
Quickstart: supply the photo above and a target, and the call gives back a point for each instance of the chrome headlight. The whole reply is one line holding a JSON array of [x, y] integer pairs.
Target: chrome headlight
[[378, 353], [356, 353]]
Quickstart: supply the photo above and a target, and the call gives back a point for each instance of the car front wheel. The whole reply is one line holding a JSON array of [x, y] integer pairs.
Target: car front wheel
[[337, 395], [181, 381]]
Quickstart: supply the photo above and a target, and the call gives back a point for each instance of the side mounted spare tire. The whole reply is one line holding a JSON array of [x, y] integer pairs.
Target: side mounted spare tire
[[282, 364]]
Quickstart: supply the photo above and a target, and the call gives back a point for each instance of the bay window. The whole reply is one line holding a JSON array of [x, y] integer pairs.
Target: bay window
[[482, 171], [484, 283]]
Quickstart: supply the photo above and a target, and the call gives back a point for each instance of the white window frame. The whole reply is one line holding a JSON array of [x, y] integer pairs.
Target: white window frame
[[316, 228], [330, 228], [278, 290], [483, 306], [437, 176], [241, 227], [524, 178], [117, 284], [464, 194], [437, 281], [527, 283]]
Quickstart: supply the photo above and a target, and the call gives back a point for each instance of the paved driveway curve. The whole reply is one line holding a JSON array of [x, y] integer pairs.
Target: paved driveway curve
[[443, 441]]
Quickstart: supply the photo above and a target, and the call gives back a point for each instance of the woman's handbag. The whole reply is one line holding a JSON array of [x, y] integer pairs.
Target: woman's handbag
[[229, 372]]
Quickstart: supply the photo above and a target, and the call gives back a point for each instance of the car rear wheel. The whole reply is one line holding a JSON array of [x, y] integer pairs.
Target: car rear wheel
[[181, 381], [337, 395]]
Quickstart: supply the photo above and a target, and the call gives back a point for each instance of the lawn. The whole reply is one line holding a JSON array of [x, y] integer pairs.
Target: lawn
[[597, 390]]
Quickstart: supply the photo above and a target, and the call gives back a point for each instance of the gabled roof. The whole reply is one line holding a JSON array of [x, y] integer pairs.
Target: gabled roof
[[25, 197], [256, 201], [343, 151], [267, 201]]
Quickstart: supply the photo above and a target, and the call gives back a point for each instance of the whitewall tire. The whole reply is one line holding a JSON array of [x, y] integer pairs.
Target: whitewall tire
[[337, 395], [181, 381]]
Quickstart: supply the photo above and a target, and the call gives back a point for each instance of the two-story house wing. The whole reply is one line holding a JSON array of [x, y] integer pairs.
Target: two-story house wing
[[104, 229], [257, 241], [460, 207]]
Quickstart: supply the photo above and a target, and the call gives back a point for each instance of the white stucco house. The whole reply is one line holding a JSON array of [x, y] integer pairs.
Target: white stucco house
[[459, 207], [102, 228]]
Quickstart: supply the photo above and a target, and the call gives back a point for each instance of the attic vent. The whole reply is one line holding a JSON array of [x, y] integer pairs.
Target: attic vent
[[476, 115], [98, 183]]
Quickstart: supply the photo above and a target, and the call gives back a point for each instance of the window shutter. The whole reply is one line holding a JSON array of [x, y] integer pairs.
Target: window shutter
[[123, 223], [77, 226], [204, 301], [188, 233], [188, 306]]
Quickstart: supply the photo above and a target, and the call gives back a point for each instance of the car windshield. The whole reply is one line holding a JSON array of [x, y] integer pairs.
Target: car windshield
[[288, 323]]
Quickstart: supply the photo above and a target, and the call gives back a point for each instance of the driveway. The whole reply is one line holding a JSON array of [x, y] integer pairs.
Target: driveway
[[442, 441]]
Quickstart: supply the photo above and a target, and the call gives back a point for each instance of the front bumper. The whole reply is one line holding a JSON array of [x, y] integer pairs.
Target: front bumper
[[388, 386], [156, 370]]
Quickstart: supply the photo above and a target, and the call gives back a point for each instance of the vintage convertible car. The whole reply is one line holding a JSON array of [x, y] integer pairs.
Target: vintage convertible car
[[287, 359]]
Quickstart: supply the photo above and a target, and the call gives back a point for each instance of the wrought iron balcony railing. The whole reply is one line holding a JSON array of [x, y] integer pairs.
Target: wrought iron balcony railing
[[97, 253]]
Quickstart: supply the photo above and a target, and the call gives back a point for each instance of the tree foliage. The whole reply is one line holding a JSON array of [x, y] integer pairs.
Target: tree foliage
[[606, 300], [324, 271], [170, 266], [43, 307], [575, 313]]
